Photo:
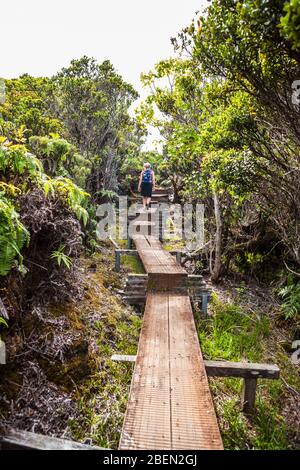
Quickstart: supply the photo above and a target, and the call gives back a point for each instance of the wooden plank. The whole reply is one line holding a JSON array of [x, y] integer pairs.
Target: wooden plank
[[242, 369], [147, 420], [123, 358], [192, 280], [158, 262], [166, 282], [24, 440], [128, 251], [170, 405], [194, 422]]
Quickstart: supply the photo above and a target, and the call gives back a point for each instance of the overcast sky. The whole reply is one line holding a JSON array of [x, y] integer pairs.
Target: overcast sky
[[40, 37]]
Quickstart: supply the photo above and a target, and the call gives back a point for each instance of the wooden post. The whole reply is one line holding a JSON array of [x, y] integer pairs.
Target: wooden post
[[204, 304], [248, 395], [178, 255], [119, 252], [117, 261], [160, 234], [129, 243]]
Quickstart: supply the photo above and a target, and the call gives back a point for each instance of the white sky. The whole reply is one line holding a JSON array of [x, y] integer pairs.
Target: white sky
[[40, 37]]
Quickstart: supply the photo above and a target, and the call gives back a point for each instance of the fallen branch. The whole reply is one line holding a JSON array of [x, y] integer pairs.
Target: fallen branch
[[290, 270], [289, 387]]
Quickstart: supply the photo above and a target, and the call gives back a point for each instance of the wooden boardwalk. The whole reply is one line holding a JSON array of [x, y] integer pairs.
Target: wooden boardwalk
[[170, 404]]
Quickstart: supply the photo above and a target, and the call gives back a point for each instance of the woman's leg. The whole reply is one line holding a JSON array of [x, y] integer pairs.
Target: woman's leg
[[148, 201], [144, 202]]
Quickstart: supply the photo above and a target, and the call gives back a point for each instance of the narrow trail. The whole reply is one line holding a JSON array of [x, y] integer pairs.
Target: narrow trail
[[170, 404]]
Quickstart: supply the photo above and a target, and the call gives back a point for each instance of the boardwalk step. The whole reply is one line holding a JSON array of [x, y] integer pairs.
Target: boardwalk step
[[170, 406], [15, 439]]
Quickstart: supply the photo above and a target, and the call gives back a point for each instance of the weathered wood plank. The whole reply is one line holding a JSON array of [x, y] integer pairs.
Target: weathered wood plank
[[227, 369], [170, 406], [147, 423], [124, 251], [242, 369], [25, 440], [194, 422]]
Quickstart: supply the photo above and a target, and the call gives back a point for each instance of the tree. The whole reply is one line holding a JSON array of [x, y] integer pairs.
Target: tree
[[93, 101], [230, 126], [28, 106]]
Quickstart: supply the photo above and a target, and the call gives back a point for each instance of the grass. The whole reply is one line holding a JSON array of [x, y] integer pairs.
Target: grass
[[112, 328], [103, 397], [233, 335], [132, 264]]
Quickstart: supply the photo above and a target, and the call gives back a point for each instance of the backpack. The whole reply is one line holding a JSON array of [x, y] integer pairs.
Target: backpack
[[147, 176]]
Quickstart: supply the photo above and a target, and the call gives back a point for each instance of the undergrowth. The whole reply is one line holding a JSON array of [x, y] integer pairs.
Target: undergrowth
[[233, 334], [102, 398]]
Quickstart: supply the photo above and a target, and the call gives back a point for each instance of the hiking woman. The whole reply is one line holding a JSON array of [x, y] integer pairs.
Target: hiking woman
[[146, 184]]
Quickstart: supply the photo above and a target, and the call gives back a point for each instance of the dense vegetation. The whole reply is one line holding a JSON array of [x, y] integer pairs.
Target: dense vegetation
[[63, 142], [227, 107], [231, 127]]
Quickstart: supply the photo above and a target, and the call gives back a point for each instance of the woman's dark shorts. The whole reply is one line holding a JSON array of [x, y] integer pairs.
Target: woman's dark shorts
[[146, 189]]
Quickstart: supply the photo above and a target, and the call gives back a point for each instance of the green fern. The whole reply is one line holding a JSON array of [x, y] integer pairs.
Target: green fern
[[13, 236], [72, 194], [17, 160], [24, 169], [291, 299], [61, 257], [3, 322]]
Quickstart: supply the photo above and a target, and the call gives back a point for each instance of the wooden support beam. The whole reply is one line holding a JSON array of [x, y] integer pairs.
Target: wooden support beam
[[248, 371], [117, 261], [15, 439]]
